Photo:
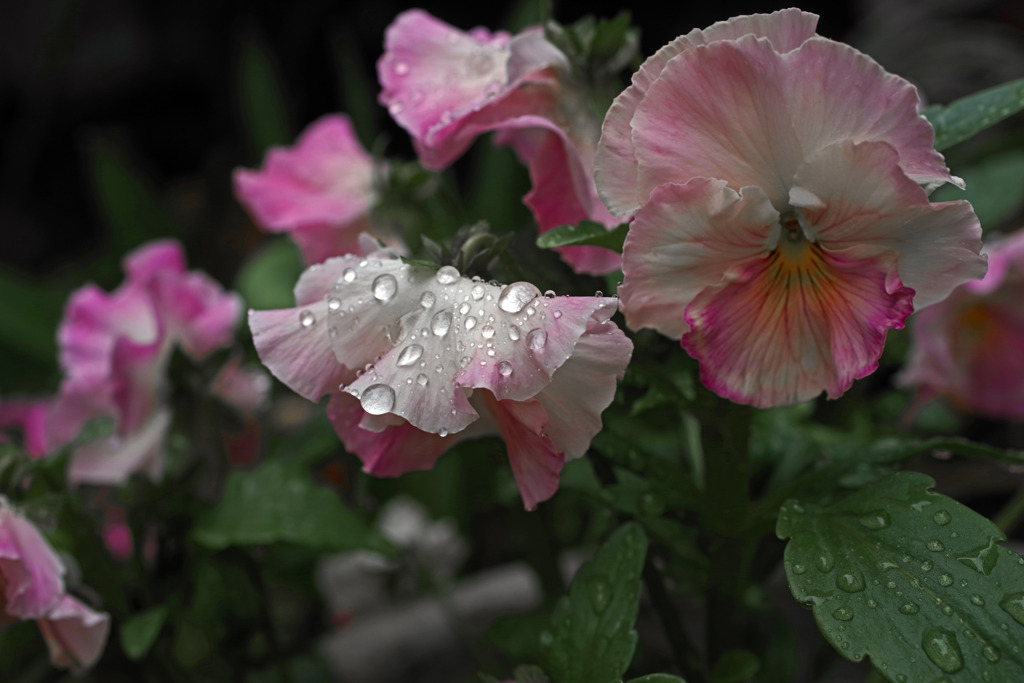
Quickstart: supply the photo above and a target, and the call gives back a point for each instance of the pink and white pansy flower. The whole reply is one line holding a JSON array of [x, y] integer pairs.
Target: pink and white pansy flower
[[967, 348], [32, 587], [446, 87], [781, 225], [320, 191], [114, 348], [415, 360]]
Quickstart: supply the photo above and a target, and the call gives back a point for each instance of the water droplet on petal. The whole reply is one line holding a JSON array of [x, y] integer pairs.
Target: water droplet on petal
[[443, 432], [470, 323], [513, 333], [477, 292], [307, 318], [427, 299], [348, 275], [384, 287], [333, 303], [422, 379], [441, 322], [378, 399], [504, 368], [464, 361], [537, 339], [557, 314], [448, 275], [514, 297], [487, 331], [942, 648], [410, 354]]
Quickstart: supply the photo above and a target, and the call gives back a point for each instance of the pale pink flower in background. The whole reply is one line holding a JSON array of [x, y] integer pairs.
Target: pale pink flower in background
[[319, 192], [968, 348], [114, 348], [32, 587], [446, 87], [781, 226], [415, 360]]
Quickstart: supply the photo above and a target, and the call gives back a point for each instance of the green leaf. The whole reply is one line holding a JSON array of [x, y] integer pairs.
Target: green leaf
[[261, 95], [267, 279], [970, 115], [910, 578], [277, 502], [139, 632], [657, 678], [993, 188], [587, 233], [591, 639], [735, 666], [530, 674]]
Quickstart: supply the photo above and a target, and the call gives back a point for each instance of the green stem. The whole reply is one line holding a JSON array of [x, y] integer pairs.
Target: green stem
[[684, 656], [1009, 517]]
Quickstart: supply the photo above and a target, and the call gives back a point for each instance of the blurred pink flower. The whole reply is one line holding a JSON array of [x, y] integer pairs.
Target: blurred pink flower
[[781, 227], [446, 87], [114, 350], [967, 348], [319, 192], [416, 360], [32, 587]]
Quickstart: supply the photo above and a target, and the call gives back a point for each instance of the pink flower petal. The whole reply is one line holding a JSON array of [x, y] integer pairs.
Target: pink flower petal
[[966, 347], [320, 190], [856, 194], [198, 314], [31, 574], [536, 462], [111, 460], [616, 165], [783, 329], [740, 111], [75, 634], [687, 238], [31, 418]]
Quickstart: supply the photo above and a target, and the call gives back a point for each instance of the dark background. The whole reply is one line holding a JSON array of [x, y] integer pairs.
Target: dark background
[[121, 120]]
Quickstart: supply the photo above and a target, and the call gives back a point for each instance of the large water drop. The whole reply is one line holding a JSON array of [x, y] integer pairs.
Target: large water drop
[[514, 297], [537, 339], [448, 275], [378, 399], [307, 318], [410, 354], [942, 648], [441, 322]]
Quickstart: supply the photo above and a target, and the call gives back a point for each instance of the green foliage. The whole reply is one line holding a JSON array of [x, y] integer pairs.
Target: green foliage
[[261, 95], [970, 115], [277, 503], [735, 666], [591, 638], [266, 280], [139, 632], [911, 579], [587, 233], [657, 678], [993, 188]]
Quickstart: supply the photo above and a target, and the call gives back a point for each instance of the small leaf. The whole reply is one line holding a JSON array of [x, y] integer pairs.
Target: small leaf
[[910, 578], [970, 115], [140, 631], [267, 279], [587, 233], [277, 502], [591, 639]]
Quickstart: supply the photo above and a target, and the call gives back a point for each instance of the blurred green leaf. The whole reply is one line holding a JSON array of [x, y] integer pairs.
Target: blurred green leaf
[[735, 666], [278, 503], [125, 196], [587, 233], [994, 188], [140, 631], [261, 95], [911, 579], [657, 678], [266, 281], [968, 116], [591, 638]]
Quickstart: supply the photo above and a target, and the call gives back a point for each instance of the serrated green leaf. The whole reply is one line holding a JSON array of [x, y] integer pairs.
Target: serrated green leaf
[[591, 639], [277, 502], [140, 631], [587, 233], [657, 678], [970, 115], [911, 579]]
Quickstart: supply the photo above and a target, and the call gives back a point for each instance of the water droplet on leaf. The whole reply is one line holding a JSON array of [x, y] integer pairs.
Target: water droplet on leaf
[[843, 614], [942, 518], [942, 648], [599, 591]]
